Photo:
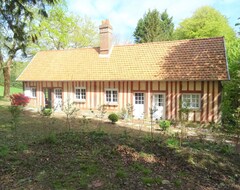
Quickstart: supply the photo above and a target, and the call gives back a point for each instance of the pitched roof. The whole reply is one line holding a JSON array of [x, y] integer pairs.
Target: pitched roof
[[197, 59]]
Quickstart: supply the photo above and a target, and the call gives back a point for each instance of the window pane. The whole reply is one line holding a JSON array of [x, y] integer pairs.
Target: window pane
[[139, 98], [33, 91], [77, 93], [160, 100], [191, 100], [114, 93], [83, 94], [108, 96]]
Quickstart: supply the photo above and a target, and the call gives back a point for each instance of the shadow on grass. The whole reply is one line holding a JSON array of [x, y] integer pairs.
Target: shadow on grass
[[44, 154]]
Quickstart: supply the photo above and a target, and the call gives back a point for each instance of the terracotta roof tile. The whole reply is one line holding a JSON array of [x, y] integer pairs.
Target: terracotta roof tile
[[198, 59]]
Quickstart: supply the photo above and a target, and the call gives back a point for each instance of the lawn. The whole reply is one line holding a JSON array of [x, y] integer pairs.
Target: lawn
[[43, 154], [12, 90]]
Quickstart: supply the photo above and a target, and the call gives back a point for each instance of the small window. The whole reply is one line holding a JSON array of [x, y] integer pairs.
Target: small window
[[31, 92], [191, 101], [34, 92], [80, 94], [111, 96]]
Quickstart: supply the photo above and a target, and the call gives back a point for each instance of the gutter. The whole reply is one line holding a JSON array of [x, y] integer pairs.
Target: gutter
[[224, 44]]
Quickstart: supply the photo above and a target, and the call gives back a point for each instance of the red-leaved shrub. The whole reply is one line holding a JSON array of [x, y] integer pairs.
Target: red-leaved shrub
[[19, 100]]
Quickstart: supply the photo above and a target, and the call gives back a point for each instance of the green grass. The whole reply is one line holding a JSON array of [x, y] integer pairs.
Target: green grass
[[13, 90], [43, 154]]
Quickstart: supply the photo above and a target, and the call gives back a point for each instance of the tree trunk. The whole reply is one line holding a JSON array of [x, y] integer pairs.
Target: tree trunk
[[6, 75]]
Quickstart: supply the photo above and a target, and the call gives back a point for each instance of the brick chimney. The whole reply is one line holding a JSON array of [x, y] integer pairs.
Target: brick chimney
[[105, 30]]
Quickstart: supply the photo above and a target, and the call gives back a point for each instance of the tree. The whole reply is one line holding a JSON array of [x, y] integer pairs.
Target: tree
[[238, 24], [14, 36], [231, 89], [154, 26], [205, 22], [69, 31]]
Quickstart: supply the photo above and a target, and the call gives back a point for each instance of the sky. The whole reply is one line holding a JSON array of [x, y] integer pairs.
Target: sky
[[124, 14]]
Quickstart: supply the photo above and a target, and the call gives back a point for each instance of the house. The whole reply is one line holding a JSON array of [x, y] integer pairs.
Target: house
[[166, 75]]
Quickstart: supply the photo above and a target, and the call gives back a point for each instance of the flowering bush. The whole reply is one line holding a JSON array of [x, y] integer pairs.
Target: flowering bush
[[19, 100]]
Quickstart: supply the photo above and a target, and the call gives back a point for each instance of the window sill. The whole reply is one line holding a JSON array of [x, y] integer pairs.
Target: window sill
[[111, 104], [80, 101]]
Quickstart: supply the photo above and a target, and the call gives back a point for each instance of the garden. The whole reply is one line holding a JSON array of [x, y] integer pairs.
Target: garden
[[47, 151]]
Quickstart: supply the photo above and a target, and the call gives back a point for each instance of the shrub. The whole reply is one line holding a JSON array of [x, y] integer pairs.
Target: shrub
[[113, 117], [47, 111], [172, 142], [19, 100], [164, 124], [51, 138]]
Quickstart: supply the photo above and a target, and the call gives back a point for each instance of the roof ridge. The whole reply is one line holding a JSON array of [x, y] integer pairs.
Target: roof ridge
[[169, 41], [138, 44], [71, 49]]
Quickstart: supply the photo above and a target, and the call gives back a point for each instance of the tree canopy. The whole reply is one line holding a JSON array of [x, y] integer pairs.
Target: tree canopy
[[154, 26], [69, 31], [14, 36], [205, 22]]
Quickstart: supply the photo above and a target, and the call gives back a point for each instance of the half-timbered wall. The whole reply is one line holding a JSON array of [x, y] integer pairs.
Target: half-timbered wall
[[210, 92]]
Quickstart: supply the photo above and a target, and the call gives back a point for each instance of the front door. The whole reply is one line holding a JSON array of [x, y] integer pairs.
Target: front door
[[159, 105], [138, 105], [58, 99]]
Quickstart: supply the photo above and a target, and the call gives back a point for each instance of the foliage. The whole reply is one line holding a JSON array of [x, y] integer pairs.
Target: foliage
[[123, 114], [236, 117], [19, 100], [238, 24], [13, 90], [16, 69], [154, 26], [70, 111], [205, 22], [90, 160], [126, 112], [47, 112], [172, 142], [129, 109], [14, 37], [4, 150], [152, 110], [102, 110], [164, 124], [51, 138], [113, 117], [69, 31], [15, 112], [231, 89]]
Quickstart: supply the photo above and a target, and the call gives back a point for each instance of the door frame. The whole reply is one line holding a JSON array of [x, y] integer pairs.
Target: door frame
[[51, 95], [54, 94], [164, 101], [144, 103]]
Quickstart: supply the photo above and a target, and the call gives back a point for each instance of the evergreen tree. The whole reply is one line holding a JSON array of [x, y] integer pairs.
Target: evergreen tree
[[154, 26]]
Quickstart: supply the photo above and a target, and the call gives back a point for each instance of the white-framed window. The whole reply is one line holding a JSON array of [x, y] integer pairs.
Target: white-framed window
[[80, 93], [192, 101], [111, 96], [30, 92]]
